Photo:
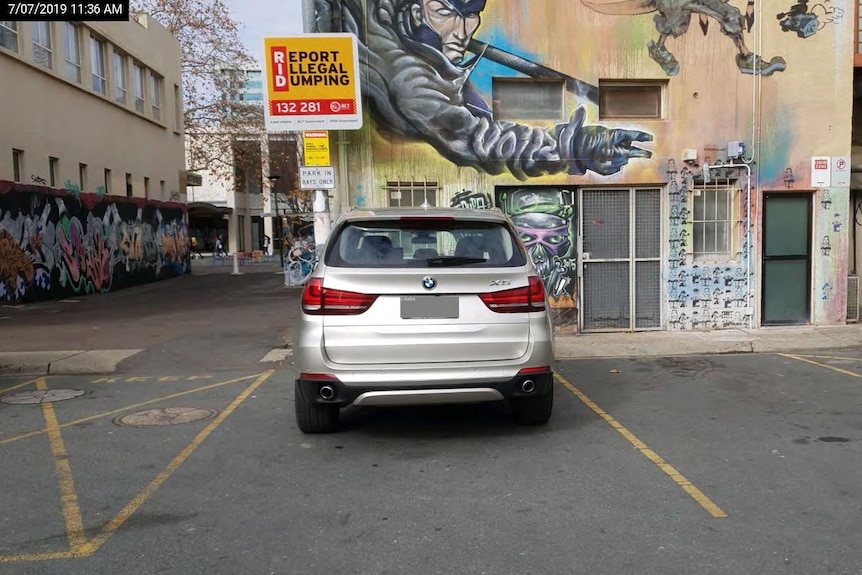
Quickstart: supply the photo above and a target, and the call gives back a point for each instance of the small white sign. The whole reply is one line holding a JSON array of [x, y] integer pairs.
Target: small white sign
[[316, 178], [821, 171], [840, 172]]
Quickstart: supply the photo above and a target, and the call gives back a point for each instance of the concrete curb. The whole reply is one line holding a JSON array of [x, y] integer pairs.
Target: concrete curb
[[69, 362]]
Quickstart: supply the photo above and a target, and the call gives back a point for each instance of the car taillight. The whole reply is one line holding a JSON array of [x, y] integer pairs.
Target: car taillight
[[318, 300], [518, 300]]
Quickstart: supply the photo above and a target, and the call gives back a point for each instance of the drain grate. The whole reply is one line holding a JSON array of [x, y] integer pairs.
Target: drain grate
[[165, 416], [41, 396]]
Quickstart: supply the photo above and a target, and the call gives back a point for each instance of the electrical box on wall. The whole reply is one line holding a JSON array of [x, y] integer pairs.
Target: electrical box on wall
[[735, 150]]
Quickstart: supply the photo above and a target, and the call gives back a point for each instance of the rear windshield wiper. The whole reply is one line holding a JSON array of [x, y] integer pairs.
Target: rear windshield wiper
[[453, 261]]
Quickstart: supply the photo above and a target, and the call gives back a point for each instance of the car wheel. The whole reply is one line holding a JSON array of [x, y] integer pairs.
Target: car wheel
[[534, 410], [314, 417]]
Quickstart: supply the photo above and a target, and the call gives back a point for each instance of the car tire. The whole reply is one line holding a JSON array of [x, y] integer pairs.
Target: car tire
[[534, 410], [314, 417]]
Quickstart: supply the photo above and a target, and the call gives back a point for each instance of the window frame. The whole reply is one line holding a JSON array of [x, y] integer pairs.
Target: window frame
[[606, 87], [72, 68], [498, 109], [47, 49], [53, 165], [102, 65], [7, 31], [139, 80], [699, 226], [121, 80], [156, 87], [17, 164], [425, 187]]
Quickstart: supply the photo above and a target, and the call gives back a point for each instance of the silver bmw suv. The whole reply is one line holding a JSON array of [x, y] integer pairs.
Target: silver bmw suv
[[422, 306]]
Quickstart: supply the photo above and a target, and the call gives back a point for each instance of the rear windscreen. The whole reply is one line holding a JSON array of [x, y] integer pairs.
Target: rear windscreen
[[424, 243]]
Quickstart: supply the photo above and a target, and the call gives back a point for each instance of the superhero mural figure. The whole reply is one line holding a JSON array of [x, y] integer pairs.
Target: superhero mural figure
[[673, 18], [545, 219], [418, 85], [807, 21]]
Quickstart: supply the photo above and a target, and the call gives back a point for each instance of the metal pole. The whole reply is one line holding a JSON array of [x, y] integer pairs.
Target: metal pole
[[280, 232]]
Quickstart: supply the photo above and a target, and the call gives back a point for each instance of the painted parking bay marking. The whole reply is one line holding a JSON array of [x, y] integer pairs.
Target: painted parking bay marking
[[79, 545], [818, 364], [142, 378], [667, 468]]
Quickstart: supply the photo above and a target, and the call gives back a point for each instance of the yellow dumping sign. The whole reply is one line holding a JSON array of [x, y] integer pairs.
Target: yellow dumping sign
[[312, 83]]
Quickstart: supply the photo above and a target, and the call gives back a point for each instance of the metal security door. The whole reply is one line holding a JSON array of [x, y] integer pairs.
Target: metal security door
[[786, 259], [620, 255]]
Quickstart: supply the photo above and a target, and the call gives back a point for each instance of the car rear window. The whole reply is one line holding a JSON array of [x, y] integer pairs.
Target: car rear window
[[424, 242]]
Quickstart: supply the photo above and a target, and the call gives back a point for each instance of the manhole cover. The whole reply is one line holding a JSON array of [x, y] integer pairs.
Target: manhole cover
[[165, 416], [41, 396]]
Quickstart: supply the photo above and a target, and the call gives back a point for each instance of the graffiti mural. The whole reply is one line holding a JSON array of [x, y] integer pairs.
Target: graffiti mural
[[545, 218], [832, 244], [419, 86], [807, 21], [55, 244], [471, 200], [703, 295], [673, 17]]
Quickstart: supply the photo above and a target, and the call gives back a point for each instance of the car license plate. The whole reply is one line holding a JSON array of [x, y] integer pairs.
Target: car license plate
[[429, 307]]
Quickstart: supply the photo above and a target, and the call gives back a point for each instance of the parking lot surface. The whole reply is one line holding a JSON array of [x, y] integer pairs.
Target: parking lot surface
[[655, 465]]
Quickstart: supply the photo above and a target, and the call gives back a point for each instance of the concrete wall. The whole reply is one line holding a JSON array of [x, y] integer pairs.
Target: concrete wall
[[45, 114], [56, 244]]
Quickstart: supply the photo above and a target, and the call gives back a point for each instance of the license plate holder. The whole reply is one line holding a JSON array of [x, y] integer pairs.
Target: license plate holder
[[429, 307]]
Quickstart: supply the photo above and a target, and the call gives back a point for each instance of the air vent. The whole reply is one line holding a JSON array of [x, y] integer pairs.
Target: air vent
[[852, 298]]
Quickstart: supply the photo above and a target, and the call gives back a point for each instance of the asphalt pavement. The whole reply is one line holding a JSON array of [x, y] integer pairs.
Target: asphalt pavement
[[177, 452], [214, 319]]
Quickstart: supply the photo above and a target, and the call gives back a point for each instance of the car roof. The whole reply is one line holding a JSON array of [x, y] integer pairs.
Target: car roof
[[491, 215]]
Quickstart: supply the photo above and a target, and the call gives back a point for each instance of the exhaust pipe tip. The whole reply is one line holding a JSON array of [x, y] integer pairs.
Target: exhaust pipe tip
[[326, 392], [528, 385]]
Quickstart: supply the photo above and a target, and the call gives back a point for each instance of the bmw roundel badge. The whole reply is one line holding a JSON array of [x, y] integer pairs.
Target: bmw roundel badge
[[428, 282]]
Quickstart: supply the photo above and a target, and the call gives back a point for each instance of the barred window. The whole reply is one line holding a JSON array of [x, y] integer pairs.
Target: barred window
[[712, 223], [411, 194]]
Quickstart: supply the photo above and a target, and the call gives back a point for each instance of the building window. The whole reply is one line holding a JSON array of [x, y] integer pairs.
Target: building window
[[138, 86], [178, 108], [82, 177], [120, 81], [42, 51], [411, 194], [618, 99], [161, 189], [712, 224], [129, 191], [521, 99], [17, 164], [53, 170], [97, 59], [107, 181], [156, 83], [72, 58], [146, 187], [9, 35]]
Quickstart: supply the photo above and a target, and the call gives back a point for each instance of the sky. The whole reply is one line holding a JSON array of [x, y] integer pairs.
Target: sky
[[258, 19]]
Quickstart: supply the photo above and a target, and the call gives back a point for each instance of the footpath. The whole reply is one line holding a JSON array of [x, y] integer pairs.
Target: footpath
[[215, 319]]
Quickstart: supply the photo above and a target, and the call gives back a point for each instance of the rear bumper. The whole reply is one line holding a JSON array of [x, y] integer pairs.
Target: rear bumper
[[413, 393]]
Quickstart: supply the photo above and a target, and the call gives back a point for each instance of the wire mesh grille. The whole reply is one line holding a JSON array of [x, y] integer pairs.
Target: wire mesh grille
[[606, 296], [648, 294], [853, 298], [606, 224], [607, 285], [648, 224]]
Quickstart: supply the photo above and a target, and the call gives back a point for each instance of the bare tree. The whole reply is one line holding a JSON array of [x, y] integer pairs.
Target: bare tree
[[214, 63]]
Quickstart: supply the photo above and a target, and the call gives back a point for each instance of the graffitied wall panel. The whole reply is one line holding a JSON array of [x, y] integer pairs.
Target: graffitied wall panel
[[545, 218], [706, 294], [56, 244], [831, 244]]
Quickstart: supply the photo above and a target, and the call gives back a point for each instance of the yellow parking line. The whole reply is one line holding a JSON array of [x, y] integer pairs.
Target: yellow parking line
[[667, 468], [127, 408], [818, 364], [37, 557], [111, 526], [68, 495], [18, 385]]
